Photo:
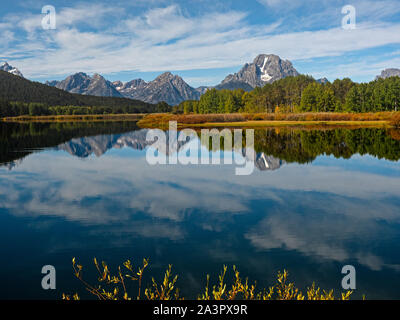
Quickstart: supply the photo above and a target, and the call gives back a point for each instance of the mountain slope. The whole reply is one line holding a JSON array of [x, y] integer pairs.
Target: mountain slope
[[14, 88], [233, 84], [264, 69]]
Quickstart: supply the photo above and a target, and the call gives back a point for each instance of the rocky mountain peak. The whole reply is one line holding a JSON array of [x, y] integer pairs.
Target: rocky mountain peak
[[166, 87], [166, 76], [84, 84], [265, 68], [4, 66], [387, 73], [118, 84], [97, 76], [323, 80]]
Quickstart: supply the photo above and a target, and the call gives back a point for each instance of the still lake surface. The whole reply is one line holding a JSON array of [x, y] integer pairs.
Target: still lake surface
[[316, 201]]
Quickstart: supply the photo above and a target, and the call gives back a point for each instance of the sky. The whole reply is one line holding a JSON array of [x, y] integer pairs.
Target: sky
[[203, 41]]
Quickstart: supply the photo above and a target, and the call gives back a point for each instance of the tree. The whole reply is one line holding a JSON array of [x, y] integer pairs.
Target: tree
[[309, 99], [326, 100]]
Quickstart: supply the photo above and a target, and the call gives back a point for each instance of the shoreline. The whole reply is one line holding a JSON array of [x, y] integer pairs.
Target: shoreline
[[75, 118], [278, 123], [217, 121], [381, 120]]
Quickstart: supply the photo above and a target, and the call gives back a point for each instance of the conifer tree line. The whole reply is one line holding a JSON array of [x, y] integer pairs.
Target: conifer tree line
[[19, 96], [302, 94], [13, 109]]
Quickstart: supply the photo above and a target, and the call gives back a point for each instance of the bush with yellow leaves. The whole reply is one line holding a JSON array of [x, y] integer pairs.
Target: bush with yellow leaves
[[113, 287]]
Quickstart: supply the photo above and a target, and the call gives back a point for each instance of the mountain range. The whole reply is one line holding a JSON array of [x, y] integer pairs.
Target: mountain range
[[265, 68], [172, 88], [81, 83], [166, 87]]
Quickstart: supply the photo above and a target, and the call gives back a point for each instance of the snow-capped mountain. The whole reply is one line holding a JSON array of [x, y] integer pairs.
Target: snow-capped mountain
[[130, 89], [6, 67], [266, 68], [173, 89]]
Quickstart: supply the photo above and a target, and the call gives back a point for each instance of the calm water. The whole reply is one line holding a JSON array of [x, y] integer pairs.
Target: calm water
[[316, 201]]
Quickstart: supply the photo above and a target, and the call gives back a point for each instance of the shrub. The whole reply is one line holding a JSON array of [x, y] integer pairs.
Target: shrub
[[114, 286], [395, 121]]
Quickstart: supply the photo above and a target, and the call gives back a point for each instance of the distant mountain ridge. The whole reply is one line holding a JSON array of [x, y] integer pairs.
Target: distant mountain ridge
[[166, 87], [81, 83], [387, 73], [323, 80], [172, 89]]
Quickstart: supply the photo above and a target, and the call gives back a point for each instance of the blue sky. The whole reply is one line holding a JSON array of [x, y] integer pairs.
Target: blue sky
[[201, 40]]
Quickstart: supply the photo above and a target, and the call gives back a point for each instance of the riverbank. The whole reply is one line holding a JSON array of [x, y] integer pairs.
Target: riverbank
[[75, 118], [381, 119], [261, 123], [161, 120]]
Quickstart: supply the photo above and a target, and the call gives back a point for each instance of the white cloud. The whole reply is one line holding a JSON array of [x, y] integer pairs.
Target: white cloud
[[275, 3], [163, 39], [157, 201]]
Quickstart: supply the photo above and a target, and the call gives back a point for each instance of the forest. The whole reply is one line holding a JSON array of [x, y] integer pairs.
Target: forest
[[301, 94], [19, 96]]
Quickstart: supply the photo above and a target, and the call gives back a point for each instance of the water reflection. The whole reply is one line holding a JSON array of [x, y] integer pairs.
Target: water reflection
[[311, 218]]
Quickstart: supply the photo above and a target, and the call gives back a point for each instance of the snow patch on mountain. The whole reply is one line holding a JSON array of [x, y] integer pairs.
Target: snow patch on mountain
[[265, 76], [4, 66]]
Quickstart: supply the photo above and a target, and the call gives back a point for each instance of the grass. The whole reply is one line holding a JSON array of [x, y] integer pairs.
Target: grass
[[263, 123], [231, 120], [270, 119], [113, 286]]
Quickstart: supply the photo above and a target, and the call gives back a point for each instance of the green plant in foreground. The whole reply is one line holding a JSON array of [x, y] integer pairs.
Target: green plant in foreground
[[114, 286]]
